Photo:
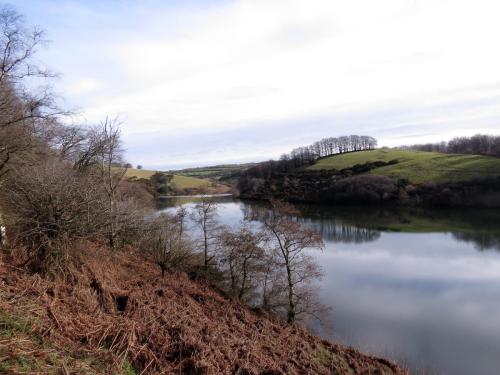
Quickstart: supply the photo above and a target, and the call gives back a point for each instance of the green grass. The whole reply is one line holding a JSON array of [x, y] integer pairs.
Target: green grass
[[177, 183], [10, 325], [139, 173], [417, 166], [215, 172], [23, 350], [184, 182]]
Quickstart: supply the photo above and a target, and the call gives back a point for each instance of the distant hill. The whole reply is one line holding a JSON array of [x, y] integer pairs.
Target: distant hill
[[180, 184], [139, 173], [416, 166], [216, 172]]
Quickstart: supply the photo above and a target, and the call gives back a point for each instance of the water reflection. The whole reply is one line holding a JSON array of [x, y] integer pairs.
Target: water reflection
[[410, 284], [338, 231], [362, 224], [481, 240]]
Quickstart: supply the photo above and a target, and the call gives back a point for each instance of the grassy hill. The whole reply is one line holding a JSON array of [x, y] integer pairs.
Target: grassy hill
[[215, 172], [139, 173], [177, 183], [417, 166], [184, 182]]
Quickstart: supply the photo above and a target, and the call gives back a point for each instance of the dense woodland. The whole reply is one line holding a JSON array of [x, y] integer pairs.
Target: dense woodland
[[354, 186]]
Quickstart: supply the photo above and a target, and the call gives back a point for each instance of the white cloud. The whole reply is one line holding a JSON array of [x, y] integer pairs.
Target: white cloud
[[236, 63], [84, 86]]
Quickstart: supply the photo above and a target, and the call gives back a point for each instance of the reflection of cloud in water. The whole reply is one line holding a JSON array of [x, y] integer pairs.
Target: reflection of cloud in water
[[427, 299], [424, 299]]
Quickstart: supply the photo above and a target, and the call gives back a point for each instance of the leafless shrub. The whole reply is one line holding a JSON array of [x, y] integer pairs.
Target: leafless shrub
[[50, 203], [165, 240]]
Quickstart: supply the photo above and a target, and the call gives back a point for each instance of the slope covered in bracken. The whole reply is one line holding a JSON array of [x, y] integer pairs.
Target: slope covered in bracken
[[110, 312]]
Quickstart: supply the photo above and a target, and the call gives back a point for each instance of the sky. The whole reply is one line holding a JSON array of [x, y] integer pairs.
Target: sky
[[198, 82]]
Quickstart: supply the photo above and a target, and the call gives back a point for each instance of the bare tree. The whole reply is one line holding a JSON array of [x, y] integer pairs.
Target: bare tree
[[111, 172], [165, 240], [19, 45], [477, 144], [79, 145], [24, 108], [205, 217], [243, 256], [288, 243], [181, 215]]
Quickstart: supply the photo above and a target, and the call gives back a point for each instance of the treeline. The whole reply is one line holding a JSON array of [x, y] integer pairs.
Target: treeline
[[334, 187], [327, 147], [478, 144]]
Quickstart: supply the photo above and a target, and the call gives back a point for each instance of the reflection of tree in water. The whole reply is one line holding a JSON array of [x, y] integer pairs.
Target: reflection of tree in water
[[334, 230], [365, 224], [338, 231], [481, 240]]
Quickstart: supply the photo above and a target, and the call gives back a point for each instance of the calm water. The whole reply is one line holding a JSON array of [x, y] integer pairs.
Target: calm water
[[419, 286]]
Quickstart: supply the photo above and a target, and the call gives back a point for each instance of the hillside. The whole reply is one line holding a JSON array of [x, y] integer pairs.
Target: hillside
[[112, 313], [216, 172], [139, 173], [417, 166], [181, 184], [178, 182]]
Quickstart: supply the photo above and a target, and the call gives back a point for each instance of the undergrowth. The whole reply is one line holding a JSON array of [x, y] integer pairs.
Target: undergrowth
[[112, 313]]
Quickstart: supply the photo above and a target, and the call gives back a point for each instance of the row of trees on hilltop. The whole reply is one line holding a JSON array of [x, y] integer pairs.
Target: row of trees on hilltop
[[303, 156], [478, 144], [328, 147]]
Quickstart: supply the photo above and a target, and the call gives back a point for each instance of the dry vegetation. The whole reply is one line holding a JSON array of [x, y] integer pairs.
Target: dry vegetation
[[112, 313], [89, 283]]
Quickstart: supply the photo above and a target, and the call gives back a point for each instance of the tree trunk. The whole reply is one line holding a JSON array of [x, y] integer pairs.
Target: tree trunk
[[243, 280], [205, 243], [291, 303]]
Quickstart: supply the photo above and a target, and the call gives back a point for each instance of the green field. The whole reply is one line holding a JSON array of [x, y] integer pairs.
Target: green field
[[177, 183], [184, 182], [139, 173], [417, 166], [216, 172]]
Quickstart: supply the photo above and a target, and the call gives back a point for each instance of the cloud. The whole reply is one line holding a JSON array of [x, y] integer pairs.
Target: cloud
[[178, 68], [84, 86]]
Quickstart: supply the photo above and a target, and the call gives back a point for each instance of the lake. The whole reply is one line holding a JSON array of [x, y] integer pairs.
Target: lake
[[419, 286]]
